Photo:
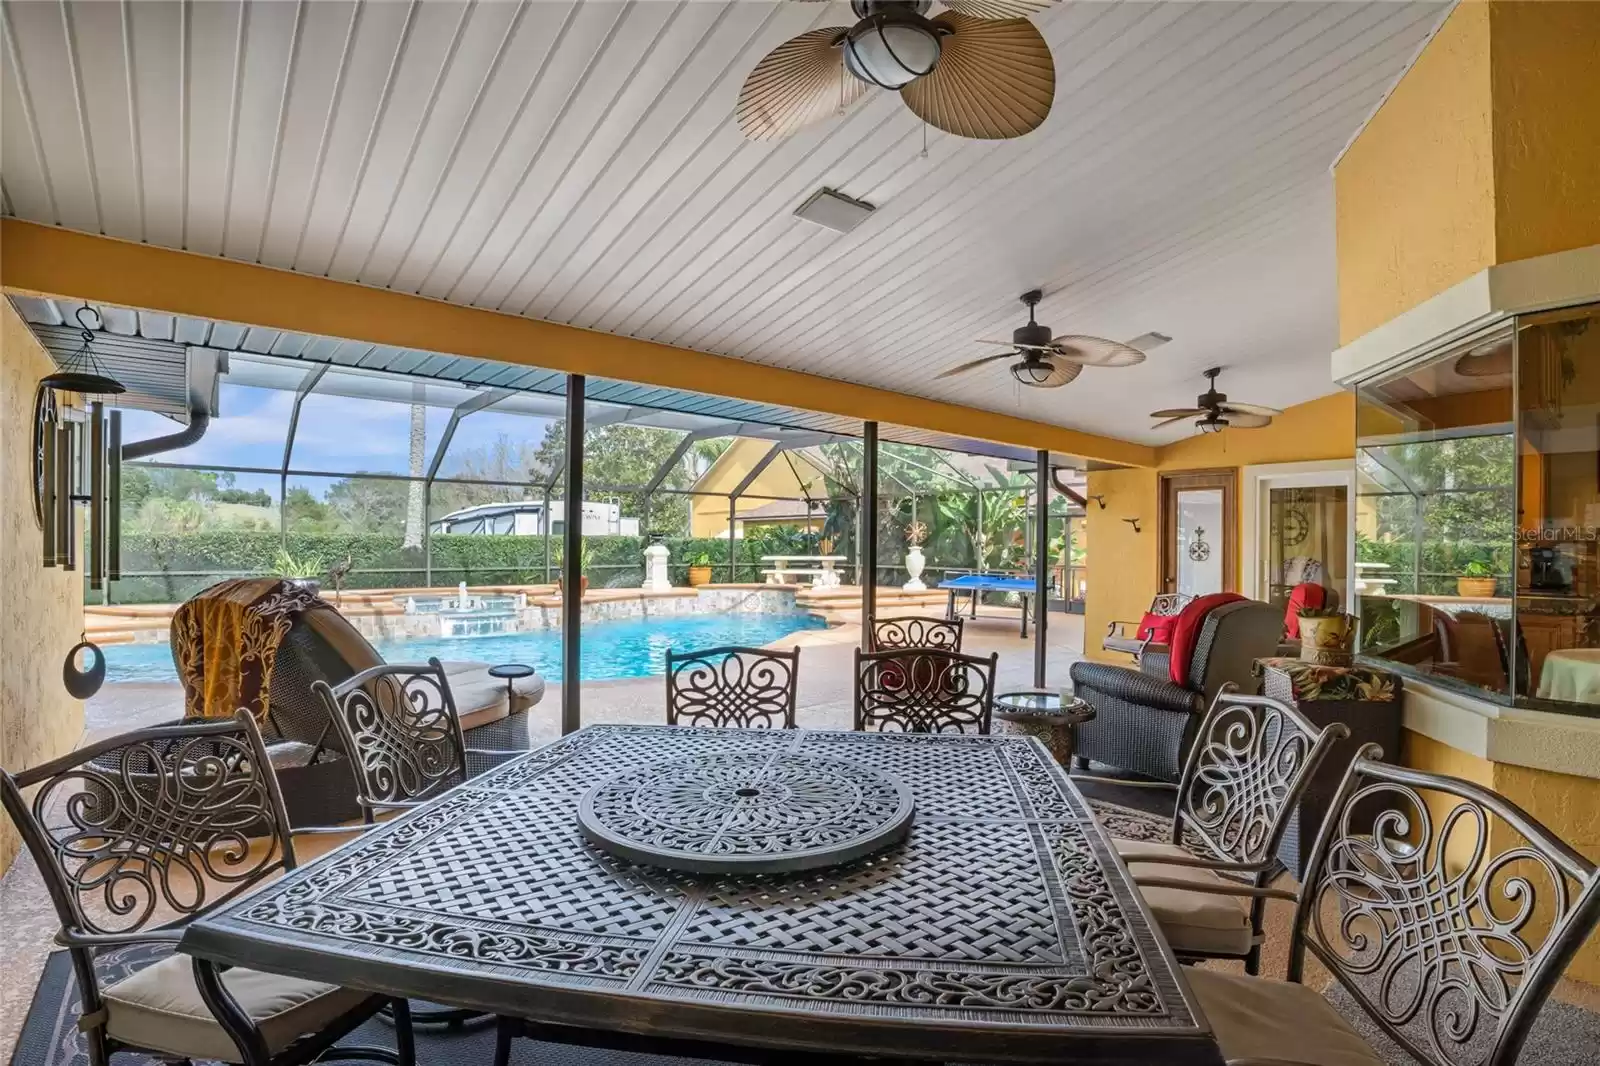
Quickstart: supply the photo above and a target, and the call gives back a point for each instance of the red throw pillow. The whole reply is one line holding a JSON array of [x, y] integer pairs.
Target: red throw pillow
[[1308, 595], [1186, 634], [1156, 628]]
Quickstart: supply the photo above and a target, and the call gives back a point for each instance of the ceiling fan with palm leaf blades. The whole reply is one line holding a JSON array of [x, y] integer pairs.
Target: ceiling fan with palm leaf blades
[[1048, 361], [977, 69], [1216, 411]]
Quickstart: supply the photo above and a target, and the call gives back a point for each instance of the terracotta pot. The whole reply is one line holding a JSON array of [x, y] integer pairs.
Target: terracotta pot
[[1326, 641], [1481, 587], [699, 575], [583, 586]]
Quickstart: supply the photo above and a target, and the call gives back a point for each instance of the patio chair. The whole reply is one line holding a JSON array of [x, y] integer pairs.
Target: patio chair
[[404, 738], [924, 690], [1154, 628], [915, 631], [405, 743], [1144, 719], [1447, 921], [1251, 759], [732, 687], [165, 824]]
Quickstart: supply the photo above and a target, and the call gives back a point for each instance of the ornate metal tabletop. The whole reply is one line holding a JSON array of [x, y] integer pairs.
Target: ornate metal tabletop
[[1002, 928], [746, 813]]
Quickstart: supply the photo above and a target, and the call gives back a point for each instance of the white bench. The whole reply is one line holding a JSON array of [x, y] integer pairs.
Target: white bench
[[822, 574]]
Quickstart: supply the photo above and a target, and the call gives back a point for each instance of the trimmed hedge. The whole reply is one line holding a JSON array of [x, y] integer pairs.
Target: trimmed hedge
[[169, 568]]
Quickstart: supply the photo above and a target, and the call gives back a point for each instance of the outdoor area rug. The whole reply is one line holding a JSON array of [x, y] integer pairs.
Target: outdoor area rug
[[1563, 1035]]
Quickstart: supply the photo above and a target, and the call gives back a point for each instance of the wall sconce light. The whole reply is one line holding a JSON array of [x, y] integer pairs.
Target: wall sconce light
[[1098, 498], [1134, 522]]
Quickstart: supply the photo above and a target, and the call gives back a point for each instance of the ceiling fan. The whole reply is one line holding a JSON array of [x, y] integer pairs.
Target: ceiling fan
[[977, 69], [1047, 361], [1217, 410]]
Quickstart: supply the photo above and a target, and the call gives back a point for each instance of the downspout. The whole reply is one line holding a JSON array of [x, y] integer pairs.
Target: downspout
[[1055, 481], [199, 422]]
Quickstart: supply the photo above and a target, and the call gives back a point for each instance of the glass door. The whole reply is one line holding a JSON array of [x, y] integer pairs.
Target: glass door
[[1198, 536], [1306, 539]]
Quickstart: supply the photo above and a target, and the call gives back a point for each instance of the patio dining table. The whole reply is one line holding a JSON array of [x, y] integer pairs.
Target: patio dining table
[[1001, 928]]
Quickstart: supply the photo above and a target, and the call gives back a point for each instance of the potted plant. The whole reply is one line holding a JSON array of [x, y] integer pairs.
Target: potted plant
[[585, 557], [1326, 636], [1477, 580], [304, 572], [916, 533], [700, 570]]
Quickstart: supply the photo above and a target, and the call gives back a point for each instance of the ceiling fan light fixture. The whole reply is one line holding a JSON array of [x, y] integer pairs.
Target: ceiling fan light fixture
[[1212, 425], [891, 48], [1032, 372]]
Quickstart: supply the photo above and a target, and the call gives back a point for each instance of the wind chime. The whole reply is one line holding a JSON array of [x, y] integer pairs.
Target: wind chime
[[78, 463]]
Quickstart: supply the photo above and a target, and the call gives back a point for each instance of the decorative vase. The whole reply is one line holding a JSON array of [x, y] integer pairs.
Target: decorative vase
[[914, 564], [1475, 587], [699, 575], [1325, 641]]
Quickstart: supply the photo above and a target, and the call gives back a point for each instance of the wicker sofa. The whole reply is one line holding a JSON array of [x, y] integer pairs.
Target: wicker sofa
[[1143, 720]]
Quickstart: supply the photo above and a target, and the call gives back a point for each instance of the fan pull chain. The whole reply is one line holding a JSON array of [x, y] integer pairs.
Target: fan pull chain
[[924, 141]]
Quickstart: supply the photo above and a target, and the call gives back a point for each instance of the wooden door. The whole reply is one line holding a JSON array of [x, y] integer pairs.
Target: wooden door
[[1199, 531]]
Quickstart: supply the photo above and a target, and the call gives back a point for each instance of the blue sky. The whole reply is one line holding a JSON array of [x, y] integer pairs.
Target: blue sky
[[335, 433]]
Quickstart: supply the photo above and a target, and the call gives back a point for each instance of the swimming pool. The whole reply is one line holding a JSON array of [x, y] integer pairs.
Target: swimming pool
[[635, 648]]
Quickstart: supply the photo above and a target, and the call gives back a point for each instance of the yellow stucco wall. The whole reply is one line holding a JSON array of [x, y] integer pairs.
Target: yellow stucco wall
[[786, 477], [43, 607], [1487, 151], [1545, 64], [1124, 566], [1414, 195]]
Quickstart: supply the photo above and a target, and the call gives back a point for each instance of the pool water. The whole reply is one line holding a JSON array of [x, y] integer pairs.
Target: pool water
[[610, 649]]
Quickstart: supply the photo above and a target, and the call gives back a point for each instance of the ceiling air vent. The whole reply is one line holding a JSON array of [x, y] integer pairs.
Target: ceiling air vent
[[833, 210]]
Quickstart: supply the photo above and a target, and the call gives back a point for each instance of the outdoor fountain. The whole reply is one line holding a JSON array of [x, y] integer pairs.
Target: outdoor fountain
[[465, 615]]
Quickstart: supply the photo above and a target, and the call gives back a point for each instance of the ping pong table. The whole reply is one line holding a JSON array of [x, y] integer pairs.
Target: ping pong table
[[975, 585]]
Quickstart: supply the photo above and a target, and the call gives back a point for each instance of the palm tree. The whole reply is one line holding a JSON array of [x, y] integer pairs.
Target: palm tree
[[419, 448]]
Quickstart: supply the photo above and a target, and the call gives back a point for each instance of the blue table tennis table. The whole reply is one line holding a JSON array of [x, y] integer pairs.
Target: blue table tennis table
[[975, 585]]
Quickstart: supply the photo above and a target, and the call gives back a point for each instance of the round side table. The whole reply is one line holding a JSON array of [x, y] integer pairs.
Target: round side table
[[511, 673], [1049, 715]]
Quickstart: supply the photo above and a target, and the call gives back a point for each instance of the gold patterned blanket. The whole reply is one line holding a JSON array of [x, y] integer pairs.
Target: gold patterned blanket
[[225, 641]]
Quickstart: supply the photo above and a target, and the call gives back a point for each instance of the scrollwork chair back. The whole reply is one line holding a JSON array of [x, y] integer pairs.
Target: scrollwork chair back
[[732, 687], [138, 833], [1251, 760], [924, 690], [1448, 918], [398, 723], [914, 631]]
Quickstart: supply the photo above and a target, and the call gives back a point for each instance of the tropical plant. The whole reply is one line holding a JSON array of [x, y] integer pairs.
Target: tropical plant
[[1477, 568], [292, 567]]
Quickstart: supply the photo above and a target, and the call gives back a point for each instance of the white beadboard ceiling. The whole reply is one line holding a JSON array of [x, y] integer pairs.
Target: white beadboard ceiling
[[578, 162]]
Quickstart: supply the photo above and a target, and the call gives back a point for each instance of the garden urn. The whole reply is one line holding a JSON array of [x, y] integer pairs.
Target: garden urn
[[914, 564]]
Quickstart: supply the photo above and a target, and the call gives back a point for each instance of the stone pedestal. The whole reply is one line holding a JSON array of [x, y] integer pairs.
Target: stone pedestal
[[655, 568]]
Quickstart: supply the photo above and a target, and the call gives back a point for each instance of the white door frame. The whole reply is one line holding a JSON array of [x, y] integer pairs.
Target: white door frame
[[1255, 483]]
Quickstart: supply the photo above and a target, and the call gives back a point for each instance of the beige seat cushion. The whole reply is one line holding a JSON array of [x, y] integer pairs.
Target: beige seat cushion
[[1255, 1018], [160, 1009], [481, 699], [1199, 922]]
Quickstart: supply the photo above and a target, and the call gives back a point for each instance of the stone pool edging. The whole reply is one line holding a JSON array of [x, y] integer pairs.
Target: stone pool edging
[[149, 624]]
